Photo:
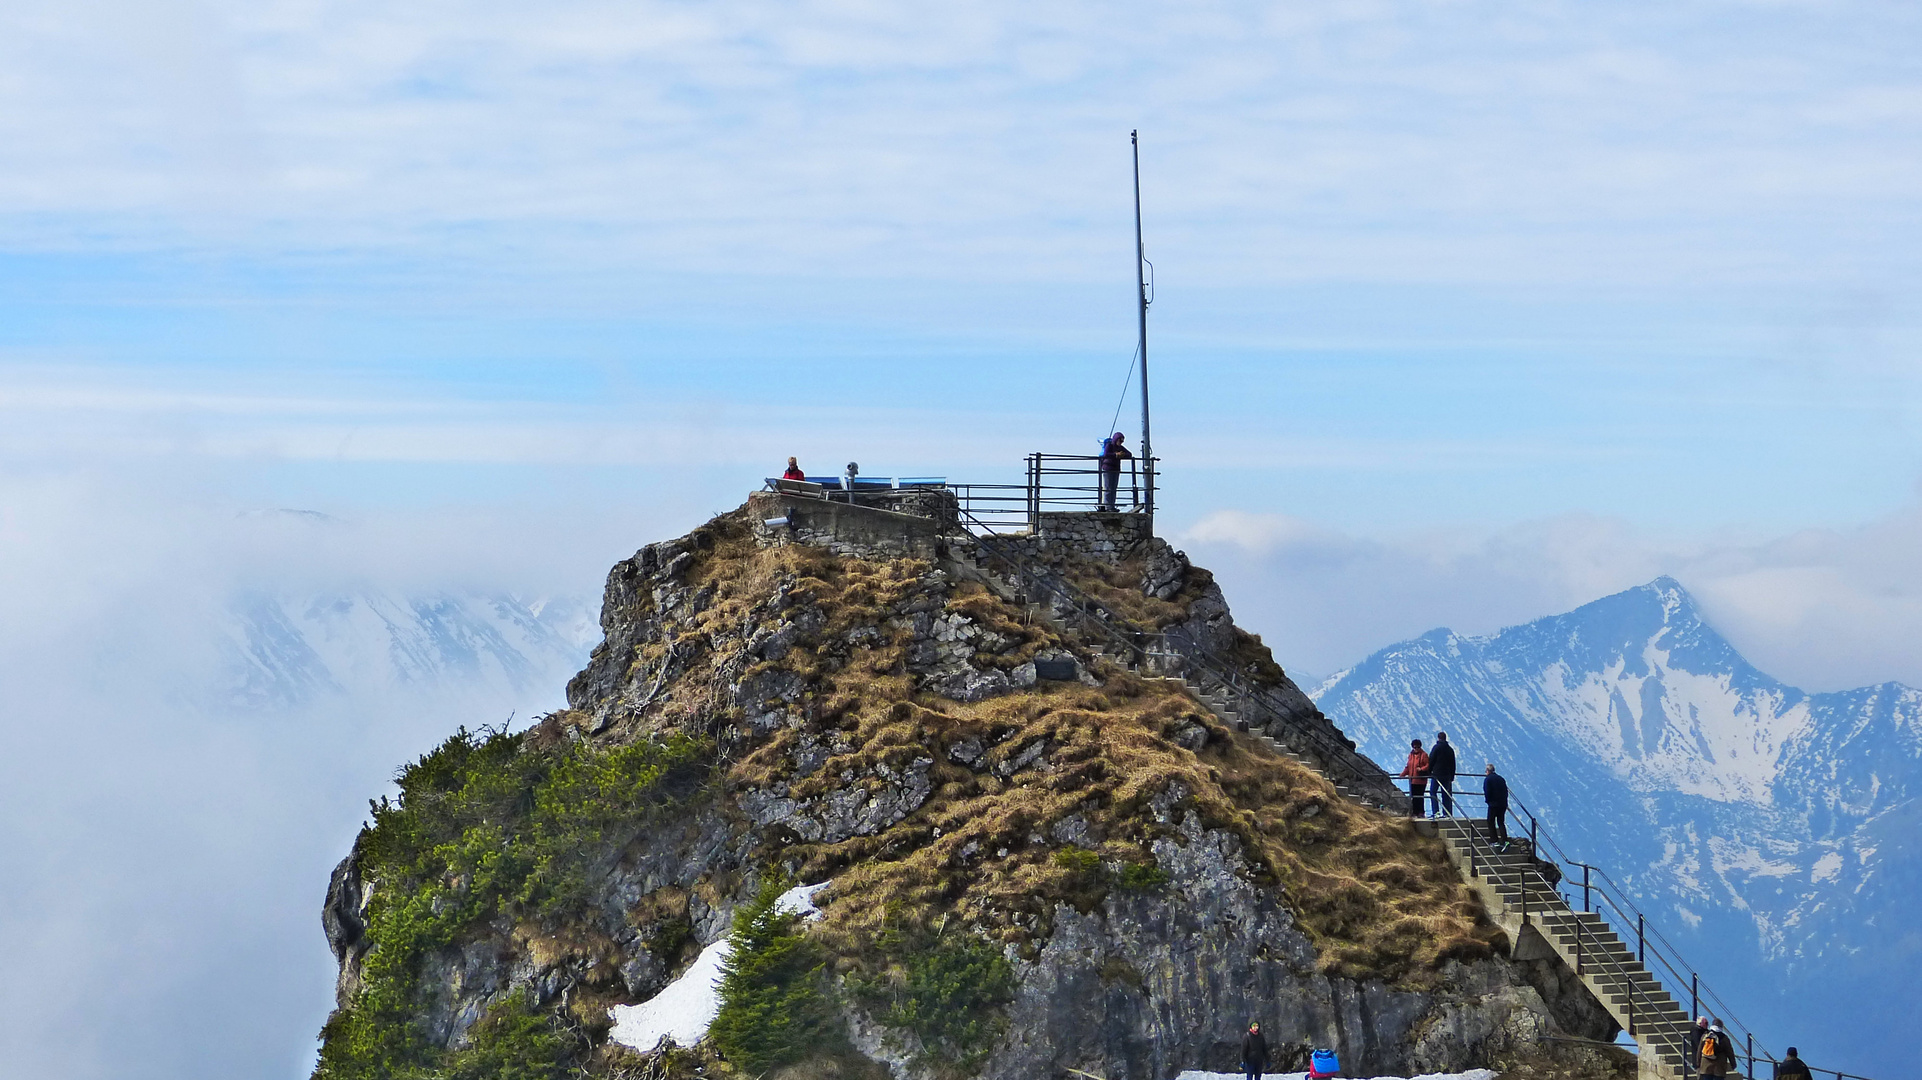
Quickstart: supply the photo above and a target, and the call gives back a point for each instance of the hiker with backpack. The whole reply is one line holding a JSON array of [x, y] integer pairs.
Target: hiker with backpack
[[1416, 773], [1254, 1051], [1715, 1055], [1495, 794], [1112, 453], [1441, 777]]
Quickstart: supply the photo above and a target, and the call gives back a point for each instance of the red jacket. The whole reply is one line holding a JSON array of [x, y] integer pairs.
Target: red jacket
[[794, 474], [1417, 767]]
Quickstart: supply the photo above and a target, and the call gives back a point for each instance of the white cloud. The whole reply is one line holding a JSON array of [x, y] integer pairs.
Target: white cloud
[[1824, 609], [1391, 141]]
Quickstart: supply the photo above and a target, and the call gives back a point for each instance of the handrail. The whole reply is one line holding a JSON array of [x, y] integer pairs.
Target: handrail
[[1336, 755], [1651, 943]]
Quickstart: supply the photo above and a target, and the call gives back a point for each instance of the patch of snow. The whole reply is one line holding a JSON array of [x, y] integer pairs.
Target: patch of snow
[[684, 1008]]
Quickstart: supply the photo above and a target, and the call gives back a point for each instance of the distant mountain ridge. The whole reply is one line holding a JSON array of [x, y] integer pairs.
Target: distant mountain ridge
[[1774, 826], [282, 650]]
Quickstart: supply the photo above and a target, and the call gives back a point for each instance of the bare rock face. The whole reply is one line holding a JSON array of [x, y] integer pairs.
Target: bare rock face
[[1157, 982], [1136, 985]]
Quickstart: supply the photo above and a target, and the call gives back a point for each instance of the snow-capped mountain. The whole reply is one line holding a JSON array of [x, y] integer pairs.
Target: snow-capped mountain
[[282, 650], [1773, 832]]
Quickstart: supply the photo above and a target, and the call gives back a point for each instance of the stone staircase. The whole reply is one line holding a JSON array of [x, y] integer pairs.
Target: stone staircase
[[1540, 923]]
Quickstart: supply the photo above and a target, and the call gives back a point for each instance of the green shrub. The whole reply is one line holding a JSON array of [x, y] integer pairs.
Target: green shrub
[[1078, 859], [515, 1041], [946, 988], [1140, 877], [484, 827], [776, 1007]]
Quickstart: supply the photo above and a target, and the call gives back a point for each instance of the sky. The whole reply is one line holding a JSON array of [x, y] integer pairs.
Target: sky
[[1464, 314]]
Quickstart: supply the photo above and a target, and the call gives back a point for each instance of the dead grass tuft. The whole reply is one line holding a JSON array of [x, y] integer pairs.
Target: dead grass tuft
[[1379, 900]]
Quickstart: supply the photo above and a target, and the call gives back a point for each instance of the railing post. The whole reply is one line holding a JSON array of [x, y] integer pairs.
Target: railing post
[[1694, 996], [1034, 493], [1641, 954], [1584, 888], [1580, 969], [1751, 1055]]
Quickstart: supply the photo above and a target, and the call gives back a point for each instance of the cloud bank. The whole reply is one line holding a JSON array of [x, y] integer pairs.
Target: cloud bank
[[1391, 141], [1824, 609]]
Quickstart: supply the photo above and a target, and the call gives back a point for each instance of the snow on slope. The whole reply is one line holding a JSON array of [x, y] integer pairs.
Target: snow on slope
[[287, 650], [686, 1007], [1768, 829]]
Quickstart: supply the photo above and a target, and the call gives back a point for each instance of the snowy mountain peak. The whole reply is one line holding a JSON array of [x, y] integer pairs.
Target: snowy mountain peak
[[1637, 680], [1760, 820]]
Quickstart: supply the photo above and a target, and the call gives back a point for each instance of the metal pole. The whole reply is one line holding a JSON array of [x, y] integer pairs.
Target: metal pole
[[1141, 295], [1579, 969], [1584, 888], [1751, 1055], [1694, 996], [1034, 493], [1641, 956]]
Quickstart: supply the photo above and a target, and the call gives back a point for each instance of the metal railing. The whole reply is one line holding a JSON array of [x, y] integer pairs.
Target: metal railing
[[1340, 756], [1659, 959], [1058, 484]]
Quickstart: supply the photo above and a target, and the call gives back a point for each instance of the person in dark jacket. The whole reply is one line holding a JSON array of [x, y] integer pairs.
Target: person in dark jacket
[[1441, 777], [1495, 793], [1695, 1034], [1718, 1060], [1416, 773], [1254, 1051], [1791, 1068], [1112, 453]]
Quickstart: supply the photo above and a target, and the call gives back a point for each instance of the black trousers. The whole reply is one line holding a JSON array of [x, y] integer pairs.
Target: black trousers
[[1415, 799], [1253, 1071], [1497, 824], [1441, 796]]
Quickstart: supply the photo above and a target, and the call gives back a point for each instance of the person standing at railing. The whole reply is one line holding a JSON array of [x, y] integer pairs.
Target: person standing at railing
[[1416, 773], [1112, 454], [1791, 1068], [793, 471], [1495, 794], [1441, 777]]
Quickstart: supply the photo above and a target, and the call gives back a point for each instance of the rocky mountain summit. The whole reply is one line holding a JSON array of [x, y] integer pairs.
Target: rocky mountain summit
[[1035, 857]]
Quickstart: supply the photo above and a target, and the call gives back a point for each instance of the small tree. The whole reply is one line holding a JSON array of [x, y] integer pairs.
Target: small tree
[[775, 1004]]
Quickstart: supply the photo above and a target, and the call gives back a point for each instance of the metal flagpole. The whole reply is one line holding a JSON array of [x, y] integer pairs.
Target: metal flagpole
[[1141, 294]]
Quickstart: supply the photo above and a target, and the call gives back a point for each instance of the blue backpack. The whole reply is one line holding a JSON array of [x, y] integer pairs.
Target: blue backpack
[[1324, 1063]]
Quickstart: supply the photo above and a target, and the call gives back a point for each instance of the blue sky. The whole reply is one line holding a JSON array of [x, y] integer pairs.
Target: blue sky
[[1466, 313]]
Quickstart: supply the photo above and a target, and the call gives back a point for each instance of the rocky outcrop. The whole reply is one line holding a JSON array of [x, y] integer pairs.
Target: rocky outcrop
[[1152, 984], [878, 721]]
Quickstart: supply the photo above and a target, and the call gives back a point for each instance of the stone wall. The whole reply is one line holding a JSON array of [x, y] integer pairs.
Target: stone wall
[[859, 530]]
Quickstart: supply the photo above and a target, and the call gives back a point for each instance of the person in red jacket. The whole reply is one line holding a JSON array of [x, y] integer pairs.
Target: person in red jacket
[[1416, 773], [793, 471]]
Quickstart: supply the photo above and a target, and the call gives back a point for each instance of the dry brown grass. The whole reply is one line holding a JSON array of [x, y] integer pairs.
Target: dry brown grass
[[1379, 900]]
